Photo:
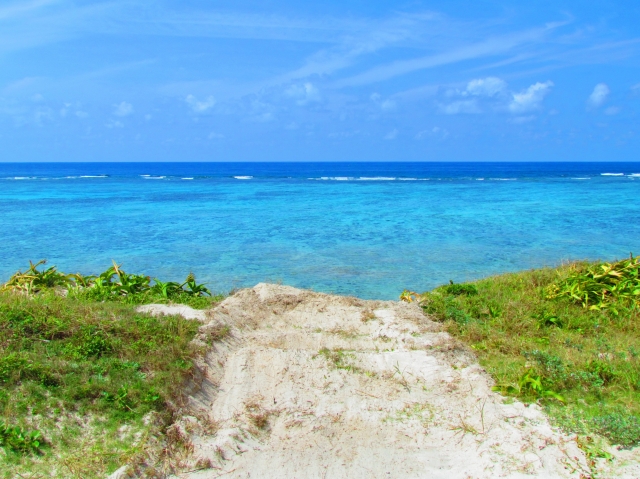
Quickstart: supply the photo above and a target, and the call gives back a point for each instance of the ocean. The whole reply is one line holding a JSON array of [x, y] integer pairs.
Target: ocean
[[364, 229]]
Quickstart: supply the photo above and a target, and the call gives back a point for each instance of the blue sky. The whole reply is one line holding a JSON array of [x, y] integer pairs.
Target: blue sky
[[323, 81]]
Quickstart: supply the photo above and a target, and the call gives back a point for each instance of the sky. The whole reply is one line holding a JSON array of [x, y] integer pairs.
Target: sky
[[348, 80]]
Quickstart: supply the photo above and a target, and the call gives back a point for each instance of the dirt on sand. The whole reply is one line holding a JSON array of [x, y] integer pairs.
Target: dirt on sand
[[310, 385]]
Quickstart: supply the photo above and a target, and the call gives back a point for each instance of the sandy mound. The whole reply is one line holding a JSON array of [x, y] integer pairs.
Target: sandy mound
[[308, 385]]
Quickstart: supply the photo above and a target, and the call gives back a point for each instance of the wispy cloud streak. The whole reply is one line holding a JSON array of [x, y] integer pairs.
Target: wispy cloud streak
[[486, 48]]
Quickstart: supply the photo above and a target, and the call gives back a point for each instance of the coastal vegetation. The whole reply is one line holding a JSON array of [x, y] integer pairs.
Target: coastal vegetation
[[567, 338], [114, 284], [87, 383]]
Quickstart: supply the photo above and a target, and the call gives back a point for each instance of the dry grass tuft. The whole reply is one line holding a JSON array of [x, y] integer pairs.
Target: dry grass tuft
[[258, 416]]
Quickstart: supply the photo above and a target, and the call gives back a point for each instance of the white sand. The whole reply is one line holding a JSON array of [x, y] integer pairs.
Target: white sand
[[178, 309], [414, 403]]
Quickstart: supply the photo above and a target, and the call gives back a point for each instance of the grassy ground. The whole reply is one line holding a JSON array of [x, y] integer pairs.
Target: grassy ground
[[568, 338], [86, 383]]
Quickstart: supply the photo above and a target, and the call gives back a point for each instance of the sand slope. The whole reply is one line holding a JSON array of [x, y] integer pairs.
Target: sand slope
[[309, 385]]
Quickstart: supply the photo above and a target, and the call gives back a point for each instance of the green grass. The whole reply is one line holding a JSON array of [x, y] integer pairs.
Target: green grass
[[86, 383], [568, 338]]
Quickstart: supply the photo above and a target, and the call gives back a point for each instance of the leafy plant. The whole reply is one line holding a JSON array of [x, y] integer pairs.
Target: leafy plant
[[530, 384], [602, 285], [602, 370], [547, 319], [112, 284], [166, 290], [33, 279], [409, 296], [116, 281], [17, 440], [193, 288]]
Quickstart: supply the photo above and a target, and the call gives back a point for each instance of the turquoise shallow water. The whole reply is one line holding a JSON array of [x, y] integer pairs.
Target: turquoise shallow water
[[367, 229]]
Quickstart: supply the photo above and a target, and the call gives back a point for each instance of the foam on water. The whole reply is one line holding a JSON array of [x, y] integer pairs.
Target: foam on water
[[376, 178]]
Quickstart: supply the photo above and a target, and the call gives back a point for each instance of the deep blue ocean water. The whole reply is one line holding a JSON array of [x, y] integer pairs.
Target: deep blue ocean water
[[366, 229]]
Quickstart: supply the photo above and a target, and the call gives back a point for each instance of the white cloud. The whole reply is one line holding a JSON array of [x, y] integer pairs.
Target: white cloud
[[442, 132], [599, 95], [123, 109], [200, 106], [462, 106], [304, 93], [612, 110], [488, 48], [345, 134], [392, 135], [636, 88], [518, 120], [114, 124], [385, 105], [18, 9], [215, 136], [64, 110], [490, 86], [388, 105], [436, 131], [43, 115], [531, 98], [492, 93], [263, 117], [82, 114]]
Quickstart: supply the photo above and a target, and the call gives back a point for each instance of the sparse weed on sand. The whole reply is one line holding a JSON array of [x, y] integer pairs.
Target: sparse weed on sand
[[567, 337], [340, 359]]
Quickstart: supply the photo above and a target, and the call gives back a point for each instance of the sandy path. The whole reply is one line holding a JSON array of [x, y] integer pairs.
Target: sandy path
[[310, 385]]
